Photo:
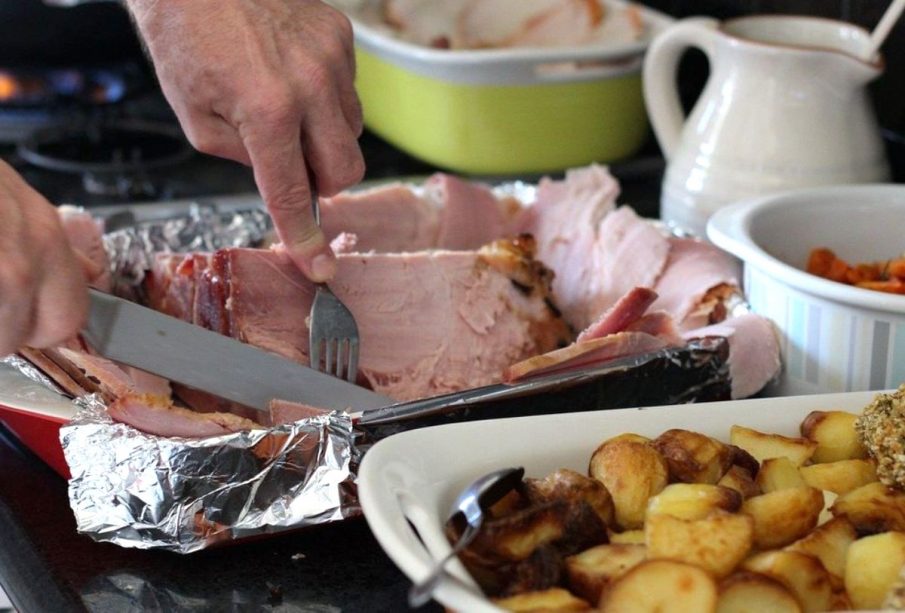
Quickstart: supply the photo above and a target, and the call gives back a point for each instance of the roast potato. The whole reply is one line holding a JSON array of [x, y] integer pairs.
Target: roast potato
[[632, 472], [740, 480], [829, 543], [763, 446], [834, 433], [802, 574], [778, 474], [693, 500], [693, 457], [592, 570], [552, 600], [629, 536], [872, 508], [661, 585], [572, 487], [716, 543], [872, 566], [841, 476], [747, 592], [783, 516]]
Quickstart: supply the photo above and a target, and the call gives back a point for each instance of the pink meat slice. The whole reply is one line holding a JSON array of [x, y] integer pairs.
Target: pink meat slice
[[384, 219], [587, 353], [618, 317], [157, 415], [753, 351], [565, 221], [470, 214], [693, 269], [430, 322], [85, 235], [115, 380], [631, 252], [170, 284], [660, 324], [286, 412]]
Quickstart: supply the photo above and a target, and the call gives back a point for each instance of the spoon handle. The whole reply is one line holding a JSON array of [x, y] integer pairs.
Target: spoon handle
[[421, 592], [881, 30]]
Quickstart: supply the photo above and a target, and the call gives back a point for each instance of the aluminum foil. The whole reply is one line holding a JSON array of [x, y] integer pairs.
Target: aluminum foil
[[151, 492]]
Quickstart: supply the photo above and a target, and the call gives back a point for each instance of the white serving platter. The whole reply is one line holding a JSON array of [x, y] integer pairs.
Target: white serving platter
[[411, 479]]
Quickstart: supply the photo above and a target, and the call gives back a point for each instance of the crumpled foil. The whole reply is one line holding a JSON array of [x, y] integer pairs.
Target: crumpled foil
[[179, 494]]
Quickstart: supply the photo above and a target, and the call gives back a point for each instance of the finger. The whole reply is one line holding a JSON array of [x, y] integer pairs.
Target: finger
[[61, 300], [275, 151], [18, 270], [331, 146], [348, 97], [211, 134]]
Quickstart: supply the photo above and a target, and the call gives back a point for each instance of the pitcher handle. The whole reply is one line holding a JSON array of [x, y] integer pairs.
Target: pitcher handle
[[661, 63]]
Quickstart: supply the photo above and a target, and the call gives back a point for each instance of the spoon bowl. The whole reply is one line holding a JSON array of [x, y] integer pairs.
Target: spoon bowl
[[472, 502]]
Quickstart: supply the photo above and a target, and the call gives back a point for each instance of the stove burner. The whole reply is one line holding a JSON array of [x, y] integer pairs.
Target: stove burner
[[56, 87], [114, 157]]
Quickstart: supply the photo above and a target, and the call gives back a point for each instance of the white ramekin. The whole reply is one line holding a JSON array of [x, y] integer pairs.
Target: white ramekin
[[836, 338]]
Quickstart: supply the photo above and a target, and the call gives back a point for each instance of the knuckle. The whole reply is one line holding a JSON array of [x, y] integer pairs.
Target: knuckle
[[319, 76], [274, 105], [289, 201]]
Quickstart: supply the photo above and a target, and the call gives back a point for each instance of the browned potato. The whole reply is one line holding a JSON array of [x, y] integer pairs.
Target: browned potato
[[743, 459], [828, 543], [763, 446], [783, 516], [740, 480], [802, 574], [693, 500], [571, 487], [747, 592], [872, 567], [592, 570], [661, 585], [629, 536], [552, 600], [716, 543], [632, 472], [840, 477], [840, 601], [829, 499], [778, 474], [693, 457], [872, 508], [834, 433]]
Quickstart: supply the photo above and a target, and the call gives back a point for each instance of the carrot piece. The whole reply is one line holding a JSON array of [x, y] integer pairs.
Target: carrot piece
[[892, 286], [838, 271], [820, 260], [896, 268], [864, 272]]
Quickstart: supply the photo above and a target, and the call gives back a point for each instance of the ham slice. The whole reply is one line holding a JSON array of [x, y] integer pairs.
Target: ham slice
[[585, 354], [694, 269], [753, 351], [470, 215], [157, 415], [430, 322], [386, 219], [286, 412], [626, 311]]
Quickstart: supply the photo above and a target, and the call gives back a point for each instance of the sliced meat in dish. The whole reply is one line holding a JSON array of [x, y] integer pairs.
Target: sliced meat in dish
[[628, 309], [471, 216], [158, 415], [285, 412]]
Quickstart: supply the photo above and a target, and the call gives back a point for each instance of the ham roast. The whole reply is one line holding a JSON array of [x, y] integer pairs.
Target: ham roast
[[453, 285]]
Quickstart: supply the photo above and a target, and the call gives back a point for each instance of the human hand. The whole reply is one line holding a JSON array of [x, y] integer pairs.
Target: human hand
[[268, 83], [43, 290]]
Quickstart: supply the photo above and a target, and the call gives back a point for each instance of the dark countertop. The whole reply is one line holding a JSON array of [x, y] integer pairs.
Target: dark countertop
[[46, 566]]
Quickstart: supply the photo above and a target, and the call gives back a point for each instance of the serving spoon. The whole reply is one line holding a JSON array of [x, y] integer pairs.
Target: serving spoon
[[472, 503]]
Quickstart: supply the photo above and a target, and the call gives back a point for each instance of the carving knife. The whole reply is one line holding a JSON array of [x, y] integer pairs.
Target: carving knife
[[131, 334]]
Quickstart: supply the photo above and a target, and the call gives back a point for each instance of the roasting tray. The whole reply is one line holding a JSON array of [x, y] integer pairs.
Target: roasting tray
[[36, 412]]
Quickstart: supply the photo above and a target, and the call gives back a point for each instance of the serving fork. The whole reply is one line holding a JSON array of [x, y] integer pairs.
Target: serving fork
[[331, 326]]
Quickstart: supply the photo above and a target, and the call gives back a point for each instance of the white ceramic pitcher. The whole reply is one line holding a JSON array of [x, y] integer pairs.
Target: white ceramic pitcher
[[785, 105]]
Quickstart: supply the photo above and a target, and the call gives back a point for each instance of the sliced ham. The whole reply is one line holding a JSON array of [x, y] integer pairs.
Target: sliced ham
[[471, 216], [694, 269], [56, 374], [657, 323], [753, 351], [586, 354], [617, 318], [286, 412], [390, 218], [527, 23], [157, 415]]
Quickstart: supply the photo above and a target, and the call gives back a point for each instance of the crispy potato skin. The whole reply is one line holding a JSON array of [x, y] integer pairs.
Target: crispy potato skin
[[716, 543], [778, 474], [572, 487], [552, 600], [693, 501], [802, 574], [840, 476], [783, 516], [872, 508], [693, 457], [632, 472], [593, 570], [763, 446], [835, 435], [740, 480], [829, 543]]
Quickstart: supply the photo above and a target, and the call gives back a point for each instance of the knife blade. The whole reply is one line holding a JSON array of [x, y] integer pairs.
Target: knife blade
[[129, 333]]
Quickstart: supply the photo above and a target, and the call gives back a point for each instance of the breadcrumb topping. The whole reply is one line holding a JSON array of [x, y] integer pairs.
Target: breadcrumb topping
[[881, 427]]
